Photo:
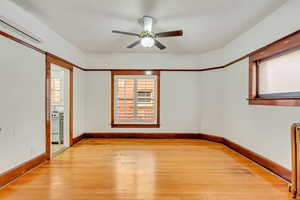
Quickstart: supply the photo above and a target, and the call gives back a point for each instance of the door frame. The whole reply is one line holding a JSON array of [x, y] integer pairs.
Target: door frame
[[51, 59]]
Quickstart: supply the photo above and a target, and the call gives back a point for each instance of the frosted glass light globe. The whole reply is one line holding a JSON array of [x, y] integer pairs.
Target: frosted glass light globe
[[147, 42]]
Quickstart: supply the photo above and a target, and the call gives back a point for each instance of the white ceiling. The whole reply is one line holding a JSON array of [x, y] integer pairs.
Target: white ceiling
[[207, 24]]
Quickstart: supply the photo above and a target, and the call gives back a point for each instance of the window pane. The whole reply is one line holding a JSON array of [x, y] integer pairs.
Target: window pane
[[135, 100], [125, 100], [145, 99], [56, 91], [280, 74]]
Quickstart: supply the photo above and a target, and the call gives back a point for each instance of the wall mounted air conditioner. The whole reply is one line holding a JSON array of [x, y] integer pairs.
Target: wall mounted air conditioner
[[9, 24]]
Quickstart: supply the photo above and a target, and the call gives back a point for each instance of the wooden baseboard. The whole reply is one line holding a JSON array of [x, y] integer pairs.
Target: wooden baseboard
[[156, 136], [211, 138], [264, 162], [78, 138], [144, 135], [14, 173]]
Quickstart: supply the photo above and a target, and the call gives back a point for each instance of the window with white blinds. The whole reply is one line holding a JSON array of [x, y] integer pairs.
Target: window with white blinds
[[135, 99], [56, 91]]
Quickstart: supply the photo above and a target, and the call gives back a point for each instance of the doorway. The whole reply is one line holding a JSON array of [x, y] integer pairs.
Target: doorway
[[59, 106], [59, 109]]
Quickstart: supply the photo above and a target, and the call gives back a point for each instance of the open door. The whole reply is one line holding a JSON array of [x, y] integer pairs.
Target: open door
[[59, 106]]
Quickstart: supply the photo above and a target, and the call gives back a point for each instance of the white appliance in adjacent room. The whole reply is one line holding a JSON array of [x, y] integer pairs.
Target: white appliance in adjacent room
[[57, 131]]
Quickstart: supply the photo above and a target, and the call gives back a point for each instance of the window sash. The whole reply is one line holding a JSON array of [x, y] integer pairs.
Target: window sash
[[135, 115], [279, 75], [56, 91]]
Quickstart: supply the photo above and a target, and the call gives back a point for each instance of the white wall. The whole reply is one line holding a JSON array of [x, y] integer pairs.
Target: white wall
[[174, 94], [143, 61], [212, 102], [79, 102], [22, 77], [22, 119], [277, 25], [263, 129], [225, 112], [155, 61], [52, 42]]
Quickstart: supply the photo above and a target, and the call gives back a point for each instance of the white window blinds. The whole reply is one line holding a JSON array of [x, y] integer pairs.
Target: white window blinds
[[56, 90], [135, 99]]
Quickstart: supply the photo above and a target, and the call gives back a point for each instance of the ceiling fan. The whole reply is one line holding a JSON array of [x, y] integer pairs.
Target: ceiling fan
[[148, 38]]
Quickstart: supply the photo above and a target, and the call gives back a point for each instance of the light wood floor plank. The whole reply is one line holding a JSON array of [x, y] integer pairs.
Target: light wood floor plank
[[137, 169]]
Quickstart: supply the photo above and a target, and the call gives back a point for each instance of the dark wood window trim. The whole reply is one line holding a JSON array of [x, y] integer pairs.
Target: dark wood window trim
[[134, 72], [277, 48]]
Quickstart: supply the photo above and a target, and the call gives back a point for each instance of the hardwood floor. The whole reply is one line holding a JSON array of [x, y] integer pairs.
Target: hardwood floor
[[137, 169]]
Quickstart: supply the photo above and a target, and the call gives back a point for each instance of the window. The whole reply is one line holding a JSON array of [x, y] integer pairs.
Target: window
[[56, 91], [274, 73], [135, 99], [279, 76]]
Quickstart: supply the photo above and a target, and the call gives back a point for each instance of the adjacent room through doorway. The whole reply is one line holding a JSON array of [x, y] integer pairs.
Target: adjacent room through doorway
[[59, 109]]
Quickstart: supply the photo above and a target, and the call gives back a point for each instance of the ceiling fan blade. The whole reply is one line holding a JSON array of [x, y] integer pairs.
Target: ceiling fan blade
[[126, 33], [170, 34], [133, 44], [160, 45]]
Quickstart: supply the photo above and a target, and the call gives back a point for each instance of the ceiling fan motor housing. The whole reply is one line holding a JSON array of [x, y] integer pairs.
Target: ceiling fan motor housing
[[145, 34], [147, 22]]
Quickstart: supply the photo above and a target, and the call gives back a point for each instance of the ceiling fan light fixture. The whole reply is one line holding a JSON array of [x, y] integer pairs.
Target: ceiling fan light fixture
[[147, 38], [147, 42]]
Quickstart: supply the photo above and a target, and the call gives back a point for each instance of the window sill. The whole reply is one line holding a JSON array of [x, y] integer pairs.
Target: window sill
[[135, 125], [275, 101]]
